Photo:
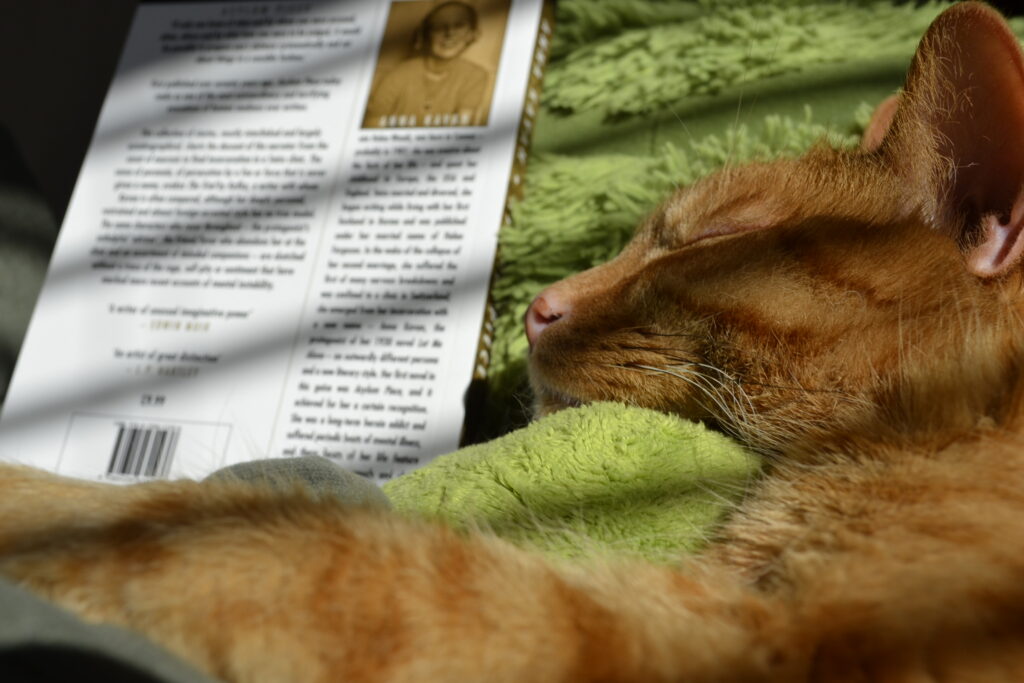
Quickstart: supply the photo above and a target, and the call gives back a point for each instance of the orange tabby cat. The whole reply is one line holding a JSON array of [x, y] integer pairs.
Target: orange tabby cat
[[856, 316]]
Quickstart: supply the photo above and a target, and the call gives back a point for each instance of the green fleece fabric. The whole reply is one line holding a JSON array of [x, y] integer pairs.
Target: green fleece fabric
[[599, 479]]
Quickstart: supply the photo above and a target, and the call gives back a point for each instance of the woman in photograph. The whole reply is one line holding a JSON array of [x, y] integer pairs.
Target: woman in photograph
[[436, 86]]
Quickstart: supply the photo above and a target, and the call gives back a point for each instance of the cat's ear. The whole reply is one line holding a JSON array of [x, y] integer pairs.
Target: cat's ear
[[959, 134], [878, 126]]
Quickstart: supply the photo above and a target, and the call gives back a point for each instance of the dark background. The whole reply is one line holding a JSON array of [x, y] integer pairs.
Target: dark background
[[57, 58]]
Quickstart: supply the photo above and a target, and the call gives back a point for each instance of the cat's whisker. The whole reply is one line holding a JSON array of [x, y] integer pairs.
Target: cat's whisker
[[688, 380], [648, 333], [682, 123], [695, 379], [727, 415], [735, 386], [728, 503], [733, 136], [802, 389], [727, 383], [741, 402]]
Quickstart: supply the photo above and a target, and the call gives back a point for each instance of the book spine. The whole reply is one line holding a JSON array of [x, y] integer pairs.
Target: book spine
[[476, 396]]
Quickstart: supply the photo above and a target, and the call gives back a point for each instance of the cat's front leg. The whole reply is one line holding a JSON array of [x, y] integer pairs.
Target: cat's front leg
[[251, 585]]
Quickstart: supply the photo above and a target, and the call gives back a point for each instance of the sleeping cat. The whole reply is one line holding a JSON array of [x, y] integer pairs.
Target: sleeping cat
[[853, 315]]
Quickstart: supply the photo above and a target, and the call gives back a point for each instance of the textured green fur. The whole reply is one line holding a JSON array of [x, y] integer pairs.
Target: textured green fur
[[604, 478]]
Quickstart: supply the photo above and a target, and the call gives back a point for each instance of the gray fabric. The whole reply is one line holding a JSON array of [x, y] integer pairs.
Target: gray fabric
[[42, 643], [319, 474]]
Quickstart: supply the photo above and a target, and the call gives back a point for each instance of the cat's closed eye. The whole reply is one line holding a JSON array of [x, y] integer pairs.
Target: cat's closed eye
[[729, 204]]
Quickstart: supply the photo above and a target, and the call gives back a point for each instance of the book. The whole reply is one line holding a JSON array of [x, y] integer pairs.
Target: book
[[281, 240]]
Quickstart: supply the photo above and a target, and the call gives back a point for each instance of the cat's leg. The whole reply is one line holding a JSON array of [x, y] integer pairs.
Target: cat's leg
[[892, 570], [898, 571], [256, 585]]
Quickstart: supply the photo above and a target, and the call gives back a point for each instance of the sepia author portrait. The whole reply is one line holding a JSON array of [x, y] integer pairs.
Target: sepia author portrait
[[437, 64]]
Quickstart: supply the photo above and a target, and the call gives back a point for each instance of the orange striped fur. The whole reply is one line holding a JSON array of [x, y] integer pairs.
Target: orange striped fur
[[855, 316]]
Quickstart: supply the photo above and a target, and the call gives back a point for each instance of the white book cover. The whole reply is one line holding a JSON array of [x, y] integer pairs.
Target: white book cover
[[280, 242]]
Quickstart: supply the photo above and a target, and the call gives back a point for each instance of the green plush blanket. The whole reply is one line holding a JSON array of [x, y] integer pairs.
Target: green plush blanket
[[592, 480]]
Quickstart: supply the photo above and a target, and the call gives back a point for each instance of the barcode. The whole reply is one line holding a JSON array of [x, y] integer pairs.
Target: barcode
[[143, 450]]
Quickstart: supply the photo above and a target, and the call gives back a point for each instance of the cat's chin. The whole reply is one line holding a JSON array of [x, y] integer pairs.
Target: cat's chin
[[547, 402]]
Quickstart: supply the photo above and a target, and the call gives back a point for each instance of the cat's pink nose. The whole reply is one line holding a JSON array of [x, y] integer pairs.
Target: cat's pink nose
[[545, 309]]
